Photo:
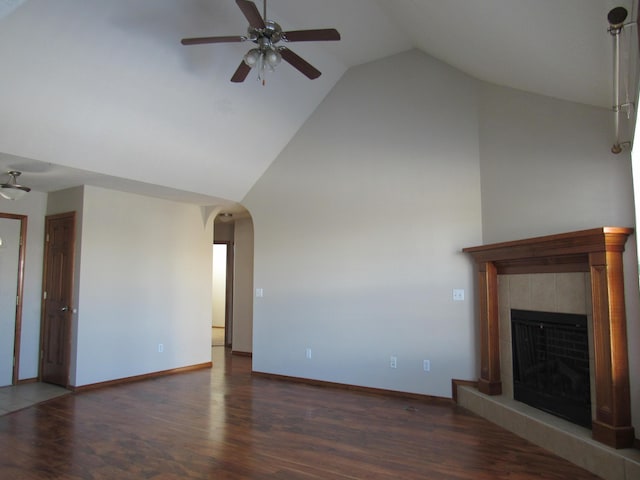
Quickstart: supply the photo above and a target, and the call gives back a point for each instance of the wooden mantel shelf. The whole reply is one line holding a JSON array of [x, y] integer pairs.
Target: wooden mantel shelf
[[598, 251], [564, 252]]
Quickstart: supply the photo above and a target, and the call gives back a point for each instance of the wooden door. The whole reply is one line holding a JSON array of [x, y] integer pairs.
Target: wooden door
[[57, 298]]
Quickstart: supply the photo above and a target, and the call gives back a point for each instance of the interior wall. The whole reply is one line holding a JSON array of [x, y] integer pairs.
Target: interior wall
[[223, 231], [359, 226], [33, 206], [243, 287], [547, 168], [145, 280]]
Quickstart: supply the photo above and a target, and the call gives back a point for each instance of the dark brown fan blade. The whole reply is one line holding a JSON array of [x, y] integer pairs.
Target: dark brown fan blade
[[251, 13], [311, 35], [299, 63], [200, 40], [241, 73]]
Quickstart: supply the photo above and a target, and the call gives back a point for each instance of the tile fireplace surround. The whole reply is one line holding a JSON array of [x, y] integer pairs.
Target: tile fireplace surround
[[577, 272]]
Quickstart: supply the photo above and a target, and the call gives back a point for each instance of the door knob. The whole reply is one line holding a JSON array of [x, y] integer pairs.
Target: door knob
[[64, 309]]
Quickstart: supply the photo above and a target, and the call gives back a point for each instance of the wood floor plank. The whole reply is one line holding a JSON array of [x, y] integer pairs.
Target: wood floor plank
[[224, 423]]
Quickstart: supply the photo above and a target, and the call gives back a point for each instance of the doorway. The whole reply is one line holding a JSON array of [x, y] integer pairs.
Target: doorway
[[222, 295], [57, 298], [235, 230], [13, 231]]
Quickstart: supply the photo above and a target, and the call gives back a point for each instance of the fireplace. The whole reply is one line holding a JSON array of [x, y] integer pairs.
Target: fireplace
[[597, 252], [551, 363]]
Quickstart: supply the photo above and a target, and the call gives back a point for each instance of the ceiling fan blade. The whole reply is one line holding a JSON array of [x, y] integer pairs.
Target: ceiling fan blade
[[299, 63], [241, 73], [311, 35], [251, 13], [201, 40]]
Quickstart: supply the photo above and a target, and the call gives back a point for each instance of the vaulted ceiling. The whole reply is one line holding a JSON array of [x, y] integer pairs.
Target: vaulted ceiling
[[103, 93]]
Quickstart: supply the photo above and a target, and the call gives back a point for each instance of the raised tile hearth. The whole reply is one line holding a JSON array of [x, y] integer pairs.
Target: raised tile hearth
[[567, 440]]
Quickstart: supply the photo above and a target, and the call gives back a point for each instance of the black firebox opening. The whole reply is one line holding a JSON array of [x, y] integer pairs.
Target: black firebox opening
[[551, 363]]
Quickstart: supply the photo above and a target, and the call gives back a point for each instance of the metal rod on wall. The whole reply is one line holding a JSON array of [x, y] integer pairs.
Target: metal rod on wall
[[616, 18]]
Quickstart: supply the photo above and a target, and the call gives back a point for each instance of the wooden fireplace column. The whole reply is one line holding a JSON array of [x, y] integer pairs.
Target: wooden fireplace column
[[598, 251]]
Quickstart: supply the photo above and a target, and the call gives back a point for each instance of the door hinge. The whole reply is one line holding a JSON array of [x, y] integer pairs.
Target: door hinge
[[46, 239], [17, 300], [44, 295]]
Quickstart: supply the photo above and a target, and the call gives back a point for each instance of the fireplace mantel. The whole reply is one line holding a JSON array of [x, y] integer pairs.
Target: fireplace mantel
[[598, 251]]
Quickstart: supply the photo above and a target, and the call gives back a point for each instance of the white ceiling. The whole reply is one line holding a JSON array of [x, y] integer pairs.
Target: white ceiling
[[102, 93]]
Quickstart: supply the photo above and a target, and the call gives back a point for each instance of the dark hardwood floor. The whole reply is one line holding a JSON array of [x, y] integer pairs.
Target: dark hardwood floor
[[225, 424]]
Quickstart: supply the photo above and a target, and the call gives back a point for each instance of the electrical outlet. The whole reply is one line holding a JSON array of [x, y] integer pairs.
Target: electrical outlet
[[160, 348], [393, 361], [308, 353], [426, 365], [458, 294]]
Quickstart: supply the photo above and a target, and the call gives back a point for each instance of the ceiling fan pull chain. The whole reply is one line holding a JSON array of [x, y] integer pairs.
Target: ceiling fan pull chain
[[260, 68]]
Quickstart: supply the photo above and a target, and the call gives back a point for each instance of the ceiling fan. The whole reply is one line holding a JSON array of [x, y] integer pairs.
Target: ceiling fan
[[267, 34]]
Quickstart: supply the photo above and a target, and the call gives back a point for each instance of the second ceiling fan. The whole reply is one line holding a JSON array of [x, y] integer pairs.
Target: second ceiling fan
[[267, 35]]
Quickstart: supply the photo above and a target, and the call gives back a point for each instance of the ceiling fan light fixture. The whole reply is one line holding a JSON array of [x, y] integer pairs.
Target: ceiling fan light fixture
[[252, 57], [225, 217], [11, 190], [272, 57]]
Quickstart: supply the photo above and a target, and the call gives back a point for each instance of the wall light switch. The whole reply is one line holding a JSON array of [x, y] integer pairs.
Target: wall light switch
[[426, 365], [458, 294], [259, 292], [393, 361]]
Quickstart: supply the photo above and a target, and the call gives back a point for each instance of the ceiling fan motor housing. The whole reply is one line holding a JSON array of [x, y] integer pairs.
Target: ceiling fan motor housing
[[271, 32]]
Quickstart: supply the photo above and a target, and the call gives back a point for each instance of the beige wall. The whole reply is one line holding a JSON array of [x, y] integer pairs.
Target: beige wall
[[145, 279], [243, 287], [359, 226]]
